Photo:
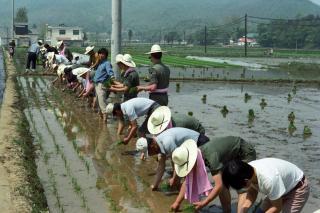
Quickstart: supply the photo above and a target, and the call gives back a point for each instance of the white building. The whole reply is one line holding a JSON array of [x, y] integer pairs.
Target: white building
[[70, 35]]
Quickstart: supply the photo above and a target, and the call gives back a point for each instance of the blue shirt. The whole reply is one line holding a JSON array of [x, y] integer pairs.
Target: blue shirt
[[136, 107], [34, 48], [103, 72], [172, 138]]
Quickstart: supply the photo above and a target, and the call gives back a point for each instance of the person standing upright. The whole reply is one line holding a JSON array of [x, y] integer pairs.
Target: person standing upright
[[12, 46], [103, 73], [159, 77], [33, 52]]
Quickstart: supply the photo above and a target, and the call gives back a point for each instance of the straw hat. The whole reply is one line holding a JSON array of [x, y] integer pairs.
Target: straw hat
[[119, 58], [59, 44], [50, 57], [142, 146], [80, 71], [159, 120], [184, 157], [88, 49], [156, 49], [125, 59], [60, 70], [109, 108]]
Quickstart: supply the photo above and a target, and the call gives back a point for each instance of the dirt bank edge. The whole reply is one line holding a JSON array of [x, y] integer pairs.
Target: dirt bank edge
[[20, 187]]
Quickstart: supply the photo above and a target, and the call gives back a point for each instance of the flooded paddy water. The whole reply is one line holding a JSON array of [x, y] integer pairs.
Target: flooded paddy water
[[236, 73], [84, 170]]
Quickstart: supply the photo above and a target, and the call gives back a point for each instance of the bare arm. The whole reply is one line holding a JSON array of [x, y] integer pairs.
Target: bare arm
[[175, 206], [150, 87], [160, 171], [118, 89], [120, 126], [214, 192], [133, 130], [245, 200], [276, 206]]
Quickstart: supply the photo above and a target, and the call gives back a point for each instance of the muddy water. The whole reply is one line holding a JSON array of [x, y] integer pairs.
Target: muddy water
[[84, 170], [236, 73], [269, 130]]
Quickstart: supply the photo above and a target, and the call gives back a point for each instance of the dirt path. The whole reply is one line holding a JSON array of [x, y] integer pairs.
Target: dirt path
[[15, 193]]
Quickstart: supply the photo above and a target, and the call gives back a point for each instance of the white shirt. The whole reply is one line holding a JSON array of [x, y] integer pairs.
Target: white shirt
[[136, 107], [172, 138], [276, 177], [60, 59]]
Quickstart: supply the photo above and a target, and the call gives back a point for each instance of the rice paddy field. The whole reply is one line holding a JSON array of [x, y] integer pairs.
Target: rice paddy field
[[83, 169]]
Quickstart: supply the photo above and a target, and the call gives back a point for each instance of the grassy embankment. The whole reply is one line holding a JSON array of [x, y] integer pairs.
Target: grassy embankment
[[31, 189]]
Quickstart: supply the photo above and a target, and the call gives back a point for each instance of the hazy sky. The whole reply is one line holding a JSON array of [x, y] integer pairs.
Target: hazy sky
[[316, 1]]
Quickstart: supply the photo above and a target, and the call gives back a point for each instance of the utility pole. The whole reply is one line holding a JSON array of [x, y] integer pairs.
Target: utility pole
[[116, 33], [245, 36], [205, 39], [12, 19]]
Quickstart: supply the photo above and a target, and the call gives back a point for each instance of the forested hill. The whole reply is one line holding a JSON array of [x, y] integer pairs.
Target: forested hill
[[142, 15]]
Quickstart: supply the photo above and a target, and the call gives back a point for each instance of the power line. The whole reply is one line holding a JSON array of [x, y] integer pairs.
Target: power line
[[287, 23], [278, 19]]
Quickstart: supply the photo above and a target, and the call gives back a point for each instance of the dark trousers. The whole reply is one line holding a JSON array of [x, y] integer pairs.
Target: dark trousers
[[32, 58]]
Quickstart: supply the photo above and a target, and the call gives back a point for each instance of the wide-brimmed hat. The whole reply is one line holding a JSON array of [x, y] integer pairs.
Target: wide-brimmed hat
[[40, 41], [184, 157], [159, 120], [125, 59], [50, 57], [60, 70], [155, 49], [88, 49], [109, 108], [80, 71], [142, 146], [59, 43]]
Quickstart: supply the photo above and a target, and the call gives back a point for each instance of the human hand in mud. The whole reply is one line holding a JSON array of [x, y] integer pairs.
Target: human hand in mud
[[126, 140], [142, 156], [175, 207], [154, 188], [199, 205]]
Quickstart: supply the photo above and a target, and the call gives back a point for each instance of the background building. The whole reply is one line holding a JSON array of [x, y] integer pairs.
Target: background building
[[72, 36]]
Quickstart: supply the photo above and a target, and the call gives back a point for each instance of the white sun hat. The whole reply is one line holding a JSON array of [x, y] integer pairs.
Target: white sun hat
[[119, 58], [109, 108], [184, 157], [80, 71], [142, 145], [61, 68], [127, 60], [50, 57], [159, 120], [155, 49], [59, 43], [88, 49]]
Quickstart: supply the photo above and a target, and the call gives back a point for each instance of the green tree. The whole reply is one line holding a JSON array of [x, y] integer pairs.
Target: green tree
[[21, 15]]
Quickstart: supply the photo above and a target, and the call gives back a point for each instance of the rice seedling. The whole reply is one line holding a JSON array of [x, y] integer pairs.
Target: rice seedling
[[251, 115], [291, 117], [292, 128], [224, 111], [263, 103], [307, 131], [247, 97], [289, 98], [189, 208], [294, 90]]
